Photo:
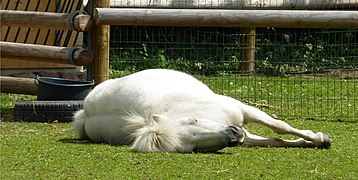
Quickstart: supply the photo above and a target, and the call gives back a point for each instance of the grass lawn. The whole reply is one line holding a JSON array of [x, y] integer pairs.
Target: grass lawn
[[50, 151]]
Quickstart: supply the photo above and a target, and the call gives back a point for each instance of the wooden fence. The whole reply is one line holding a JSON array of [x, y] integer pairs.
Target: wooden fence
[[17, 30], [104, 16]]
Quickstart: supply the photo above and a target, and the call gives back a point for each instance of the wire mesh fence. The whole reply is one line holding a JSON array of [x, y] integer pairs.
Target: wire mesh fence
[[298, 73]]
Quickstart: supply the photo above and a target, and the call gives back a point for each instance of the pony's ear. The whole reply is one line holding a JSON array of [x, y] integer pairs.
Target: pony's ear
[[158, 118]]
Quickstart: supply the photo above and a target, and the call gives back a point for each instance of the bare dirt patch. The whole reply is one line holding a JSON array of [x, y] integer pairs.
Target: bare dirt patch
[[341, 73]]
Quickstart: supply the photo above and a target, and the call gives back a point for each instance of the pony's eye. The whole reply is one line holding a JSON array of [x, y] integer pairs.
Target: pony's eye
[[193, 120], [190, 121]]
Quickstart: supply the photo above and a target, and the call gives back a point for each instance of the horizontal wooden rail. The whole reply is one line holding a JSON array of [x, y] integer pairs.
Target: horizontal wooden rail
[[64, 55], [226, 18], [46, 20], [18, 85], [238, 4]]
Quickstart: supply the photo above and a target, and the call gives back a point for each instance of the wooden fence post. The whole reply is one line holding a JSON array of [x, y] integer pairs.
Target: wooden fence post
[[100, 46], [247, 50]]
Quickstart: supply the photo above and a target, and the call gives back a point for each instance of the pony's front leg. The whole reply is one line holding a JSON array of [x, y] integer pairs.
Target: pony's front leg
[[255, 115], [252, 140]]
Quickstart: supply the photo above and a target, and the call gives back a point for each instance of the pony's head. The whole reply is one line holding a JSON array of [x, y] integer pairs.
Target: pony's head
[[186, 134]]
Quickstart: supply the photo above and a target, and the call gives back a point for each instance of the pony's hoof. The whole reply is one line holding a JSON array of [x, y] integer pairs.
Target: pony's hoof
[[327, 141]]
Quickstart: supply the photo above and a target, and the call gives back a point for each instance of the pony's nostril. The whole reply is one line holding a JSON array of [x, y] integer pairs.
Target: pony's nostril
[[234, 129], [237, 131], [239, 136]]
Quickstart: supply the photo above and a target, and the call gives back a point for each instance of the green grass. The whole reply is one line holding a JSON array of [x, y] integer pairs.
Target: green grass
[[49, 151]]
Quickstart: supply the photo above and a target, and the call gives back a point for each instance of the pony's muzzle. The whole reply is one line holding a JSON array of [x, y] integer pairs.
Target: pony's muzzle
[[236, 137]]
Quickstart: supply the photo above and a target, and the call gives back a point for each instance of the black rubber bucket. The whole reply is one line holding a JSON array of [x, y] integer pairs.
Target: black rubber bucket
[[62, 89]]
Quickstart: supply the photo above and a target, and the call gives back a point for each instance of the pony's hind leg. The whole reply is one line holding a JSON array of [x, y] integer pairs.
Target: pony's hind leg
[[255, 115]]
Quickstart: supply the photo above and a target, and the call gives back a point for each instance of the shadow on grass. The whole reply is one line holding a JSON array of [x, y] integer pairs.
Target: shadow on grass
[[7, 115], [77, 141], [331, 121], [88, 142]]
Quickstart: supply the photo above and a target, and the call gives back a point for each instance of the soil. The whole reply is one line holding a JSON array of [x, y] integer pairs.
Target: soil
[[341, 73]]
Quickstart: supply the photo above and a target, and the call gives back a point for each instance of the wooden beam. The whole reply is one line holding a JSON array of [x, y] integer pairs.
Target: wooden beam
[[64, 55], [226, 18], [46, 20], [239, 4], [100, 47], [18, 85]]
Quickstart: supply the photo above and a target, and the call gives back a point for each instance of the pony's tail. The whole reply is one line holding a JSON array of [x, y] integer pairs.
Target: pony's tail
[[79, 124]]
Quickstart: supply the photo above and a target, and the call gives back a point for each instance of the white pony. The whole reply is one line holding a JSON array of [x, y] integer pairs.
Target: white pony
[[165, 110]]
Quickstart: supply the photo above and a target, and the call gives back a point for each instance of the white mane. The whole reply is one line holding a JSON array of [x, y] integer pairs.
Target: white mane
[[150, 135]]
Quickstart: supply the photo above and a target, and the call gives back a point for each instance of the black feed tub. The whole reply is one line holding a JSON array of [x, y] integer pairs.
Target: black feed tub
[[62, 89]]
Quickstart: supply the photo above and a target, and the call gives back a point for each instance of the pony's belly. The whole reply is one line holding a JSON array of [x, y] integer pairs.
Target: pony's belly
[[106, 129]]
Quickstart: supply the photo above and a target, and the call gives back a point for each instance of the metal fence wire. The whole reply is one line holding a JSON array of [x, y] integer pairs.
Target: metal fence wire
[[298, 73]]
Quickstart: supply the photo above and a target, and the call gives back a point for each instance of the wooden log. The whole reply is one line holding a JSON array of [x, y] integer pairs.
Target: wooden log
[[239, 4], [63, 55], [100, 47], [226, 18], [45, 20], [83, 23], [18, 85]]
